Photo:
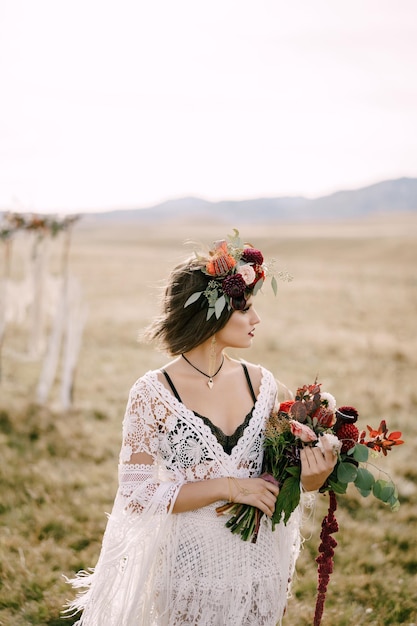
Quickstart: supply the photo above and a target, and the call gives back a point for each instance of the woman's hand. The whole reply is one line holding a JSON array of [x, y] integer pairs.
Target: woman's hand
[[316, 466], [254, 491]]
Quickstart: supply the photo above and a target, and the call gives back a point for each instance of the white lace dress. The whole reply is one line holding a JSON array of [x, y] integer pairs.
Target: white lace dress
[[162, 569]]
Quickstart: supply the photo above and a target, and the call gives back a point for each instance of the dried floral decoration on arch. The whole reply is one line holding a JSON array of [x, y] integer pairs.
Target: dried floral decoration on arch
[[12, 223], [237, 271]]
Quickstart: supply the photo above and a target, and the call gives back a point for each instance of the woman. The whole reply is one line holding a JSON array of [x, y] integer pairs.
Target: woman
[[192, 439]]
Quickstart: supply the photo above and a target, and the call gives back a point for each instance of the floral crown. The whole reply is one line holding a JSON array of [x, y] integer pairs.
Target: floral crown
[[237, 271]]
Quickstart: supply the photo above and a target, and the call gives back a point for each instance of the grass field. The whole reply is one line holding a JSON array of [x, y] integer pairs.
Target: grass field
[[348, 317]]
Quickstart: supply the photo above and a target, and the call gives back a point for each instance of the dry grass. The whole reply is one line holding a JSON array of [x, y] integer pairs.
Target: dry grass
[[349, 317]]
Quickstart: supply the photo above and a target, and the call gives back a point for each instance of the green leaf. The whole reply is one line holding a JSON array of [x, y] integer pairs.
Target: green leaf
[[395, 507], [336, 486], [383, 490], [394, 502], [364, 480], [258, 286], [364, 492], [219, 306], [210, 312], [346, 472], [295, 471], [274, 285], [193, 298], [360, 453], [287, 501]]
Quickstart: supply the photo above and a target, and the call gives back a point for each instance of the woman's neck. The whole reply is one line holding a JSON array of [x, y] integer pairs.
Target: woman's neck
[[207, 357]]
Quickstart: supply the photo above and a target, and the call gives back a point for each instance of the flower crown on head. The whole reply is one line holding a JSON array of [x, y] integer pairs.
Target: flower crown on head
[[238, 271]]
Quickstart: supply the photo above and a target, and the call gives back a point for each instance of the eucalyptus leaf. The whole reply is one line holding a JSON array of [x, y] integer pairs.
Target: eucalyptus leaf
[[337, 487], [394, 503], [258, 286], [219, 306], [210, 313], [360, 453], [364, 492], [274, 285], [346, 472], [364, 479], [383, 490], [193, 298]]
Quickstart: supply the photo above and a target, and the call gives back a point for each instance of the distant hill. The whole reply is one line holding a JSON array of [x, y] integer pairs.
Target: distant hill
[[389, 196], [399, 195]]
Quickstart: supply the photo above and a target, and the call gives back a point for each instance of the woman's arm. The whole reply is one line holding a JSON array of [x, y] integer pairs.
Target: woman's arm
[[195, 495], [254, 491], [139, 485]]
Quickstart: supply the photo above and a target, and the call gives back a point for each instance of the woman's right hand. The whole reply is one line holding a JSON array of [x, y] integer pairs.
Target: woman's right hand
[[254, 491]]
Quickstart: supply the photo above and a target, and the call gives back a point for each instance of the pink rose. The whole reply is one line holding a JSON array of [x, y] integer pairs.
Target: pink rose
[[302, 431], [248, 273]]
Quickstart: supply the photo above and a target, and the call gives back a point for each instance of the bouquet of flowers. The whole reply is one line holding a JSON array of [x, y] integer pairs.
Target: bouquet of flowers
[[305, 421]]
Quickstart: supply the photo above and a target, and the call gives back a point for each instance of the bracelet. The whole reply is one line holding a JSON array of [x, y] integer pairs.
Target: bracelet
[[229, 480], [240, 490]]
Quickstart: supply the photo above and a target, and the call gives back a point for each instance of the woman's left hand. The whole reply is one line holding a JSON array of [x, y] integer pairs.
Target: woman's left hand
[[316, 465]]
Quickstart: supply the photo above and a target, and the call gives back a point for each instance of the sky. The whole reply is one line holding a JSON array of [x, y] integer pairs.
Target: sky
[[126, 103]]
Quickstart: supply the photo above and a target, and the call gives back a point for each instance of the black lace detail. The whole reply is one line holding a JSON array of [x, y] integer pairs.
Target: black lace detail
[[227, 442]]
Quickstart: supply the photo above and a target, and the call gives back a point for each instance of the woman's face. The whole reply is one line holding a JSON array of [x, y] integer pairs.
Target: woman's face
[[239, 330]]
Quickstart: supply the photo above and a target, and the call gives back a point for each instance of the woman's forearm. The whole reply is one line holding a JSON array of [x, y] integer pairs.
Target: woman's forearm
[[196, 495], [253, 491]]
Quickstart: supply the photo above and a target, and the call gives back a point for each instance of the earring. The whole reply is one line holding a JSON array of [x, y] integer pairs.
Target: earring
[[212, 360]]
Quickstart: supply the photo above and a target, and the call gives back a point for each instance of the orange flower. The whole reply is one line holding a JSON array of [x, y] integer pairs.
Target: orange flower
[[380, 439], [221, 261], [285, 406]]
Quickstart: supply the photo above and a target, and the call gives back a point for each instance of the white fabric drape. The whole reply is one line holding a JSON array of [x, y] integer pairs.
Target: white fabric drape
[[162, 569]]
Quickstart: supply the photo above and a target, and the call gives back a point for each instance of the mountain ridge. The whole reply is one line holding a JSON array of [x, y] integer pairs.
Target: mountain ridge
[[388, 196]]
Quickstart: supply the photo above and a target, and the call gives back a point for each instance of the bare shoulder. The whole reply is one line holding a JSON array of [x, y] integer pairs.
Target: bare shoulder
[[254, 371]]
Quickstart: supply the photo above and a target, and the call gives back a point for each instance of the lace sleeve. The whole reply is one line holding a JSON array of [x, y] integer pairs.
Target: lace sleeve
[[140, 478], [115, 592]]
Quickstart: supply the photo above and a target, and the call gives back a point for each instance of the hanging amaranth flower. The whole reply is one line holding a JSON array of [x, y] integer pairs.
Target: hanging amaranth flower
[[325, 559]]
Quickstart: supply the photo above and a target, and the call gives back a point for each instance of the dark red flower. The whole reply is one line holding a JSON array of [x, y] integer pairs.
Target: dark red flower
[[347, 414], [234, 286], [348, 435], [252, 255]]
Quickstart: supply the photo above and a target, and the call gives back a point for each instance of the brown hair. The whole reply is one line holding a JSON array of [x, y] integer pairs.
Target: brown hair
[[179, 329]]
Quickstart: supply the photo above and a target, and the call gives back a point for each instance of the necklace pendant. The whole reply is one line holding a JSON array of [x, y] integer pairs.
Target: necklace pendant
[[210, 383]]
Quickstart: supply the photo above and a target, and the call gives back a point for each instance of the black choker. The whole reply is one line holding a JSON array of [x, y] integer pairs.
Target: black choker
[[210, 377]]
